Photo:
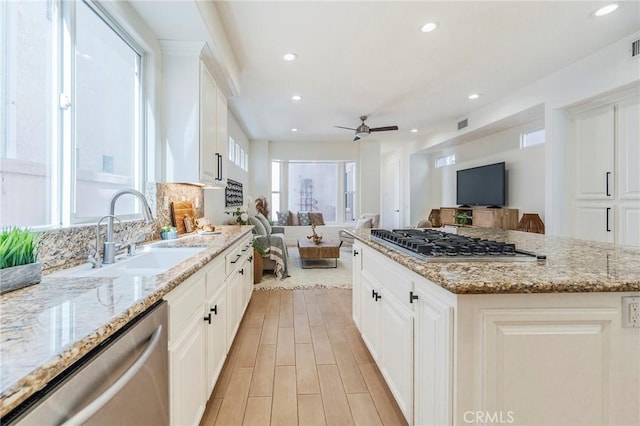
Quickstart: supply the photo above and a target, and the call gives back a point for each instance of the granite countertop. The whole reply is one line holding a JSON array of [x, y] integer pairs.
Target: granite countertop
[[572, 266], [47, 327]]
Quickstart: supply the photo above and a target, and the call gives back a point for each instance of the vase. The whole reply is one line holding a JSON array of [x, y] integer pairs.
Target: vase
[[169, 235], [20, 276]]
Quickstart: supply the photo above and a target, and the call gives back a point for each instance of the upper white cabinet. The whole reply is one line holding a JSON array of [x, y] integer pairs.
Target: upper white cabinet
[[194, 116], [606, 143]]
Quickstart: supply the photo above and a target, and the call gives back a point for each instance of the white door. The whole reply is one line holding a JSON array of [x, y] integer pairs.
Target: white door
[[391, 194], [594, 139], [356, 288]]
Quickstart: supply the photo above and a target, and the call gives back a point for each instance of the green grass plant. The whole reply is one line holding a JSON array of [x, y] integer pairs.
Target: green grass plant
[[17, 247]]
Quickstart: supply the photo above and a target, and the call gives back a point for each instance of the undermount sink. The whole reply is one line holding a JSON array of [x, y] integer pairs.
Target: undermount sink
[[148, 262]]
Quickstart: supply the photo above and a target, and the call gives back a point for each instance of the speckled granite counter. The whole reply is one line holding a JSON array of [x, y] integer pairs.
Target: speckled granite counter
[[47, 327], [571, 266]]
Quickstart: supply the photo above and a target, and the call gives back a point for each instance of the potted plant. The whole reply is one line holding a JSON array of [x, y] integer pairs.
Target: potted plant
[[18, 265], [168, 232], [463, 217]]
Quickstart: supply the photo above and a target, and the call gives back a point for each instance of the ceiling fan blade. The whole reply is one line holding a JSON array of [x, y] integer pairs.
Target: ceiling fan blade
[[383, 129], [348, 128], [357, 138]]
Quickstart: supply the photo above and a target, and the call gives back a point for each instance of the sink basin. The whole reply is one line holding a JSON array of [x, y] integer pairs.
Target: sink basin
[[149, 262]]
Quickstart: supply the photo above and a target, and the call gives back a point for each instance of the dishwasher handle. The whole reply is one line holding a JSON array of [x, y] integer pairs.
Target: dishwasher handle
[[94, 406]]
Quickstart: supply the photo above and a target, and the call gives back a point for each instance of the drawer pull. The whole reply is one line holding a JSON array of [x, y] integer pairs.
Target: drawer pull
[[208, 318], [355, 253], [412, 297], [238, 256], [214, 310]]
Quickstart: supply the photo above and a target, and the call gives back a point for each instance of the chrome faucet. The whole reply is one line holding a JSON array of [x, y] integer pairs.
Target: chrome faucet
[[94, 254], [109, 247]]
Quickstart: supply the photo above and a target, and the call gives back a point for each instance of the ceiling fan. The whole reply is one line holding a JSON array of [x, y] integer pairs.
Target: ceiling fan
[[363, 130]]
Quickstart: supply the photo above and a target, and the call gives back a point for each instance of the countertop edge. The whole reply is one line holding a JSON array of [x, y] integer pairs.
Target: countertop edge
[[429, 271], [18, 393]]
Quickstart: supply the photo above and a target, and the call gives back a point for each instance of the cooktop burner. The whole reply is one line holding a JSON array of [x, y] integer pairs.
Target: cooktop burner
[[434, 245]]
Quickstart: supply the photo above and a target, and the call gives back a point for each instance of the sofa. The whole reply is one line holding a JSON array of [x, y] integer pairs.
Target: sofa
[[272, 240], [366, 220], [297, 225]]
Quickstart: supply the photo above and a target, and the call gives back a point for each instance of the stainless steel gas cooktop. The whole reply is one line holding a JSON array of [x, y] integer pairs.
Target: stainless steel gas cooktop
[[436, 246]]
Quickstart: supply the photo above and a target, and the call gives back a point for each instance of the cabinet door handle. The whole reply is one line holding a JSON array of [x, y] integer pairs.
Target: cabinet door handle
[[412, 297], [607, 175], [250, 259], [219, 172], [608, 210], [355, 253], [378, 297], [241, 271], [373, 294], [94, 406], [208, 318], [214, 310]]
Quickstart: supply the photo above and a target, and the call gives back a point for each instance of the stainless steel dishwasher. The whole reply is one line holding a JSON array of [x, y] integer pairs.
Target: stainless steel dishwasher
[[125, 383]]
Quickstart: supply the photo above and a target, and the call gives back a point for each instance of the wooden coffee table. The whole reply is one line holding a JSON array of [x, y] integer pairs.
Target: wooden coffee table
[[327, 249]]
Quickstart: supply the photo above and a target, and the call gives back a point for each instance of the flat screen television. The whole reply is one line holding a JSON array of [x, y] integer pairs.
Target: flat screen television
[[481, 186]]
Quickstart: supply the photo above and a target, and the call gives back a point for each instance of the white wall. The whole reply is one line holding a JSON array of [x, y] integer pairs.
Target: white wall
[[603, 71], [525, 171], [214, 207]]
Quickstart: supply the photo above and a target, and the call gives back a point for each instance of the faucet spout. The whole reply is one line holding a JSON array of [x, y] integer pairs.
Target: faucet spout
[[146, 211]]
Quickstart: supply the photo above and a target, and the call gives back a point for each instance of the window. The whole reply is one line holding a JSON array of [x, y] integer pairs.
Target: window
[[532, 138], [447, 160], [232, 149], [324, 186], [71, 110], [275, 189]]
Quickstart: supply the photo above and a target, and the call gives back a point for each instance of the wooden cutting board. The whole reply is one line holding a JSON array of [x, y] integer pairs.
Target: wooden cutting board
[[179, 210]]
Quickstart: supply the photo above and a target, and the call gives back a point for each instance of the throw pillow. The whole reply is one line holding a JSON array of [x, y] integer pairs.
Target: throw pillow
[[265, 222], [283, 218], [258, 227], [293, 219], [316, 218], [364, 223], [303, 218]]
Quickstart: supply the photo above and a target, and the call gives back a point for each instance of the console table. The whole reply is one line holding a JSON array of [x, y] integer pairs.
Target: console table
[[481, 217]]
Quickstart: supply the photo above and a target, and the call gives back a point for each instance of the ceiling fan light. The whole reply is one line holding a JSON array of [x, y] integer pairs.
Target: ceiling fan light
[[361, 134]]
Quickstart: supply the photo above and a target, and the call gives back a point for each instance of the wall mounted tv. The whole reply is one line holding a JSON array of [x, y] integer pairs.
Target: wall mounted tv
[[481, 186]]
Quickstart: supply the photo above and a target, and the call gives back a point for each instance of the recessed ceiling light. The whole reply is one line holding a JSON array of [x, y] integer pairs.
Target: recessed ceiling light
[[294, 130], [605, 10], [414, 130], [474, 96], [428, 27], [296, 98], [290, 57]]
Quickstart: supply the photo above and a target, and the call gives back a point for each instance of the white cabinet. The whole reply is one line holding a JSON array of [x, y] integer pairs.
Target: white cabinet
[[433, 355], [194, 116], [215, 316], [204, 314], [448, 359], [606, 143], [187, 369], [386, 322]]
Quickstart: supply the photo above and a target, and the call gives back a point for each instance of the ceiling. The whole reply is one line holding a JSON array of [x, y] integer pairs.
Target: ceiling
[[370, 57]]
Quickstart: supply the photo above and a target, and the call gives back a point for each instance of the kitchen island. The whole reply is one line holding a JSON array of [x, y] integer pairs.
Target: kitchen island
[[48, 327], [475, 342]]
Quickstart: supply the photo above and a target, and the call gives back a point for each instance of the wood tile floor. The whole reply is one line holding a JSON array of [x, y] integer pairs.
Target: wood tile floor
[[299, 359]]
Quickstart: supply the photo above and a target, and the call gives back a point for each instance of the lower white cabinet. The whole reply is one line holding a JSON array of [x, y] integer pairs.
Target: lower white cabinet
[[449, 359], [204, 314], [386, 325], [356, 253]]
